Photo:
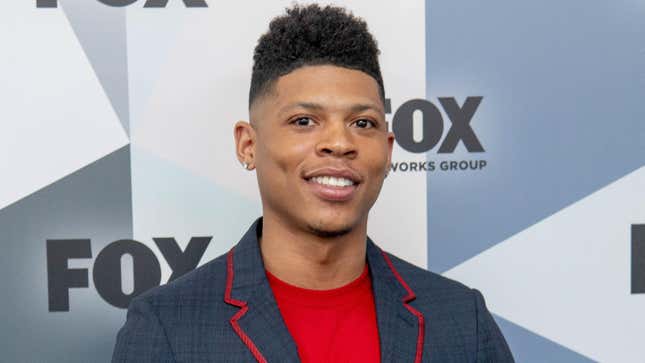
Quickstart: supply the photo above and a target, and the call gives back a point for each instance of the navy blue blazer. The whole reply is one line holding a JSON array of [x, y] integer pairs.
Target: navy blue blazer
[[224, 311]]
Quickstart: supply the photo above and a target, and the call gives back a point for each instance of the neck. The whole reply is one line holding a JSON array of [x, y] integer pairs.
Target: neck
[[306, 260]]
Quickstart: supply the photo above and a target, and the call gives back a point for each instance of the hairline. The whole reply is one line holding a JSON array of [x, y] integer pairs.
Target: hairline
[[269, 87]]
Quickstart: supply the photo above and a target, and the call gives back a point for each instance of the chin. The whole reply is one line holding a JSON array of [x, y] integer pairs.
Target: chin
[[329, 233], [330, 230]]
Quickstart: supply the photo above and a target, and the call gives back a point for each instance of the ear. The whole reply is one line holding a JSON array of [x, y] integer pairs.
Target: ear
[[390, 146], [245, 143]]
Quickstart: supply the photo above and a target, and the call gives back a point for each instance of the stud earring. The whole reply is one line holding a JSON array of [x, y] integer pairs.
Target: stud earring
[[245, 165]]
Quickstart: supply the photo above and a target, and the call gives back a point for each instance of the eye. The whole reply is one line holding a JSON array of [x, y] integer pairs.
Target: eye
[[303, 121], [364, 123]]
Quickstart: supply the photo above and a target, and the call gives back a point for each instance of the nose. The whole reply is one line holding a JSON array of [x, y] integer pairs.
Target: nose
[[337, 140]]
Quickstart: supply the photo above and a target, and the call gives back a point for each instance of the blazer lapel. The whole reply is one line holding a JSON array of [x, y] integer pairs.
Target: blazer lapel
[[258, 321], [401, 327]]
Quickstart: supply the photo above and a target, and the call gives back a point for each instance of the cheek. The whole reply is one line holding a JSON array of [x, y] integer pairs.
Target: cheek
[[377, 157], [284, 156]]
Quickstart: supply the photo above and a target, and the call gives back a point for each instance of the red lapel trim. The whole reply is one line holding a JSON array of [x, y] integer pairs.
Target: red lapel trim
[[406, 299], [244, 308]]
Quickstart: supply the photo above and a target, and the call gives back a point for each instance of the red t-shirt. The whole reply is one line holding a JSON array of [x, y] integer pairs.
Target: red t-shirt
[[337, 325]]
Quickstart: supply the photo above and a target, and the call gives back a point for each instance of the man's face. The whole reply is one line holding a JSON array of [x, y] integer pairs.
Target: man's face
[[322, 148]]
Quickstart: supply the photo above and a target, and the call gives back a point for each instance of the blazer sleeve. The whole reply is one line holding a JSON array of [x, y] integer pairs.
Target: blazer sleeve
[[142, 338], [491, 345]]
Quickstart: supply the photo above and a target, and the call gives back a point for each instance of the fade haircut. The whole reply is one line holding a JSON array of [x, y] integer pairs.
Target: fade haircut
[[313, 35]]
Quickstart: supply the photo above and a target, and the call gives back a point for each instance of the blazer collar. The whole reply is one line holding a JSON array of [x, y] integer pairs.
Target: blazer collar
[[401, 326], [258, 322], [261, 327]]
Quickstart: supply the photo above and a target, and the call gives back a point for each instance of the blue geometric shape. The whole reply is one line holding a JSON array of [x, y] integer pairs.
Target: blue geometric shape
[[528, 347], [101, 31], [95, 203], [562, 113]]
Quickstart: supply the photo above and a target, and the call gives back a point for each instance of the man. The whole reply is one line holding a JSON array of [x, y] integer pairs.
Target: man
[[305, 283]]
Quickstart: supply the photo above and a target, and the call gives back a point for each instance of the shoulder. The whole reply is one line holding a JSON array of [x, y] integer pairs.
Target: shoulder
[[428, 285], [159, 320], [449, 304], [457, 319], [198, 289]]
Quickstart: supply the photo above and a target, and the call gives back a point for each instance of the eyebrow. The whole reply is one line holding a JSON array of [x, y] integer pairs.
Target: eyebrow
[[355, 108]]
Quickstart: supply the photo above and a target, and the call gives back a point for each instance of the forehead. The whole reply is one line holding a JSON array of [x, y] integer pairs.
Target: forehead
[[330, 86]]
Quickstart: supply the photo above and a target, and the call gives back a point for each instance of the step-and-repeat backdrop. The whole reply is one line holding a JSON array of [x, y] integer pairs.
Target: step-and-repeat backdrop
[[518, 167]]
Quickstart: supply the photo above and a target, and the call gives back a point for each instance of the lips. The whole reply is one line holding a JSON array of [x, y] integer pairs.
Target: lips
[[333, 184]]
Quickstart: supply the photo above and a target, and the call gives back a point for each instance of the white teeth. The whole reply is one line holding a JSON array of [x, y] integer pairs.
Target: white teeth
[[332, 180]]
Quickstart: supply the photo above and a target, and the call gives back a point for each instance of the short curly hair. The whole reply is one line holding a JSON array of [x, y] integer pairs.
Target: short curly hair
[[313, 35]]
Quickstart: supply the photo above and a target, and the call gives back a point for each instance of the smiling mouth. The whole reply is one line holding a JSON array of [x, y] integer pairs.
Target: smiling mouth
[[332, 188], [332, 181]]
